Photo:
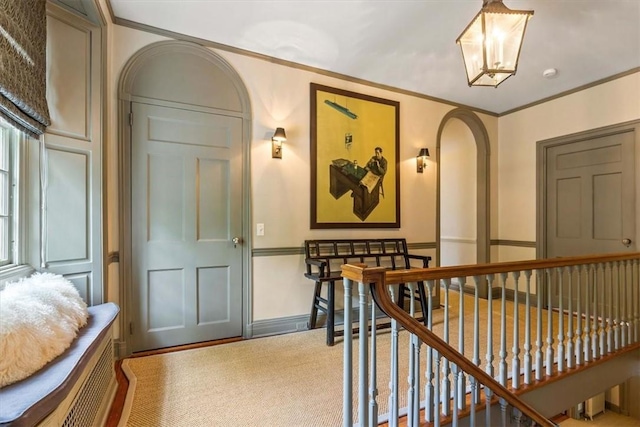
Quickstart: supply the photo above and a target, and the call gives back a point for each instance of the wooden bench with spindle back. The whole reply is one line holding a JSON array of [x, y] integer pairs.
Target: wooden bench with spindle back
[[323, 260]]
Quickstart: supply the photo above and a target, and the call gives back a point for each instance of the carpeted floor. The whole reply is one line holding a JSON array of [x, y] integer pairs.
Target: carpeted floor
[[292, 379]]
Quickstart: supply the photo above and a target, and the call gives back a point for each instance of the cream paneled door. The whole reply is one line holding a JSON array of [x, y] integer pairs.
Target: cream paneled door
[[186, 212], [590, 197]]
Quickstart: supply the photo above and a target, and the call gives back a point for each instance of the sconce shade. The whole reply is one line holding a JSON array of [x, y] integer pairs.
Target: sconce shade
[[279, 135], [276, 143], [491, 43], [421, 160]]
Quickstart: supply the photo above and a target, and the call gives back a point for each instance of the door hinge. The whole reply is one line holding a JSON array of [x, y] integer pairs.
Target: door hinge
[[130, 328], [131, 119]]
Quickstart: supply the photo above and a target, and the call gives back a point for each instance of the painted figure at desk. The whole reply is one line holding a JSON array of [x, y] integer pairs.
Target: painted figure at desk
[[363, 183], [378, 165]]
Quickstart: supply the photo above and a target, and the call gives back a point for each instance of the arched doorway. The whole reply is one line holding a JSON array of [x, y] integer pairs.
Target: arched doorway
[[482, 208], [184, 126]]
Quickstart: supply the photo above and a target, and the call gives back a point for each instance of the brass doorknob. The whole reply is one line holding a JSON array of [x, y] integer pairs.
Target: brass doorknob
[[626, 242]]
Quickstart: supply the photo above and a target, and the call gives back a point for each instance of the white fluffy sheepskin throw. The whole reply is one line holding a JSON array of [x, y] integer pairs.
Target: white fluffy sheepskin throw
[[39, 318]]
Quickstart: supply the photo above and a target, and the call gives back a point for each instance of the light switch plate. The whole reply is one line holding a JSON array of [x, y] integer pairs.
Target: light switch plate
[[260, 229]]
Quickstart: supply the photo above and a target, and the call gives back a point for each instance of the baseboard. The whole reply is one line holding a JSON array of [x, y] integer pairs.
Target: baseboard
[[119, 349], [510, 294], [281, 325], [285, 325], [614, 408]]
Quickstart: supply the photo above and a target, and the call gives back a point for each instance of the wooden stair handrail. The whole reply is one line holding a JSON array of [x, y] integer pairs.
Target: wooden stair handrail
[[421, 274], [376, 277]]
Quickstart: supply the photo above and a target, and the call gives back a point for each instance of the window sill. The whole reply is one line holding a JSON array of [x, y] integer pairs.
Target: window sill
[[11, 273]]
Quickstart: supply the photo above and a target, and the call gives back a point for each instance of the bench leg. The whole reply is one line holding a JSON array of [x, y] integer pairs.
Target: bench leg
[[400, 299], [331, 293], [423, 303], [313, 317]]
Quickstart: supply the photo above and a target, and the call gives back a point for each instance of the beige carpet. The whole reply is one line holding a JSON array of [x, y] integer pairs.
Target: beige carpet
[[288, 380]]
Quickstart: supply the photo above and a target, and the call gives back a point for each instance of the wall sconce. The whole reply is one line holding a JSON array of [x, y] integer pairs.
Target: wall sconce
[[421, 160], [276, 143]]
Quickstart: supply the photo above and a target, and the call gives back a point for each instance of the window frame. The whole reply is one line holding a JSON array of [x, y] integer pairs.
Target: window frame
[[17, 266]]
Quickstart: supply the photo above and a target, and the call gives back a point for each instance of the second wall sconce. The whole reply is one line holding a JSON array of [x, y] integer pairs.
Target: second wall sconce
[[421, 160], [276, 143]]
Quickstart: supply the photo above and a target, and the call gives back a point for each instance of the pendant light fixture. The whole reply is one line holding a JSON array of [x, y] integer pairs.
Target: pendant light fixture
[[491, 43]]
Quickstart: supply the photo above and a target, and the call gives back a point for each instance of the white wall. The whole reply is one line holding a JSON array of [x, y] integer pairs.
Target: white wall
[[458, 195]]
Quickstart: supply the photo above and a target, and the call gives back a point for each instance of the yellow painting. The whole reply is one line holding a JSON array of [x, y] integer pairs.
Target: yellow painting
[[355, 179]]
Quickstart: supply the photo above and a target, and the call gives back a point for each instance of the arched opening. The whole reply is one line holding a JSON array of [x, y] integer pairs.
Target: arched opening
[[456, 130]]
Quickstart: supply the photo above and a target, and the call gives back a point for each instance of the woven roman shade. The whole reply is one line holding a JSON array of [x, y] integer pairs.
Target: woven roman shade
[[23, 42]]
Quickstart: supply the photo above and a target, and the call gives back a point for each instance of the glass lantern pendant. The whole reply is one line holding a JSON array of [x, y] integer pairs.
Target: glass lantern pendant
[[491, 43]]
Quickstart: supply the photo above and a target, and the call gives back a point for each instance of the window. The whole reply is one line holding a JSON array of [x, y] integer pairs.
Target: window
[[7, 167], [11, 141]]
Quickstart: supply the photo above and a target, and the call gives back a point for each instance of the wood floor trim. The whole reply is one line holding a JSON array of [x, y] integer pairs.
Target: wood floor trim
[[115, 412]]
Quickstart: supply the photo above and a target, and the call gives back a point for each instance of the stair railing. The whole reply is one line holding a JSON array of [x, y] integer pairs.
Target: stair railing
[[596, 303]]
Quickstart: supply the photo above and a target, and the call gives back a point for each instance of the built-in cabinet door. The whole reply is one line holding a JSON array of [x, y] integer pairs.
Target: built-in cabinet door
[[68, 176], [186, 266]]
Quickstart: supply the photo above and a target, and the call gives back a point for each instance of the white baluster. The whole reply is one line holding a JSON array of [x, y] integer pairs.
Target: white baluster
[[436, 392], [595, 354], [416, 395], [363, 413], [446, 382], [460, 377], [474, 400], [601, 330], [609, 286], [527, 330], [503, 412], [412, 362], [373, 385], [489, 366], [393, 380], [428, 388], [475, 386], [579, 359], [627, 302], [347, 403], [539, 293], [515, 362], [503, 330], [616, 306], [549, 370], [490, 357], [487, 407], [570, 345], [560, 321], [587, 317], [454, 417]]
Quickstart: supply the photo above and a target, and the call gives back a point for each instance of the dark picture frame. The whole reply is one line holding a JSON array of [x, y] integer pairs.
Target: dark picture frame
[[355, 148]]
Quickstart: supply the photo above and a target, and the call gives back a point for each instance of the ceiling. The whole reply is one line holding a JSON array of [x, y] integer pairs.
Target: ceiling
[[410, 44]]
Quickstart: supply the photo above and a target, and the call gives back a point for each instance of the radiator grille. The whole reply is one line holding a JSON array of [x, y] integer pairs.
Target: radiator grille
[[85, 408]]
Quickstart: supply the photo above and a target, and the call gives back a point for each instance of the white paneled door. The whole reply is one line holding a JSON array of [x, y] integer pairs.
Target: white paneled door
[[186, 212]]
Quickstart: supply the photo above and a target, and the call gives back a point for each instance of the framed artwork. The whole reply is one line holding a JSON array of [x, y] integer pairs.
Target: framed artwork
[[355, 145]]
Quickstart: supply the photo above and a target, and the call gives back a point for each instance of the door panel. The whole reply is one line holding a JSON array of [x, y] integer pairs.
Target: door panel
[[590, 199], [187, 273], [590, 196]]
